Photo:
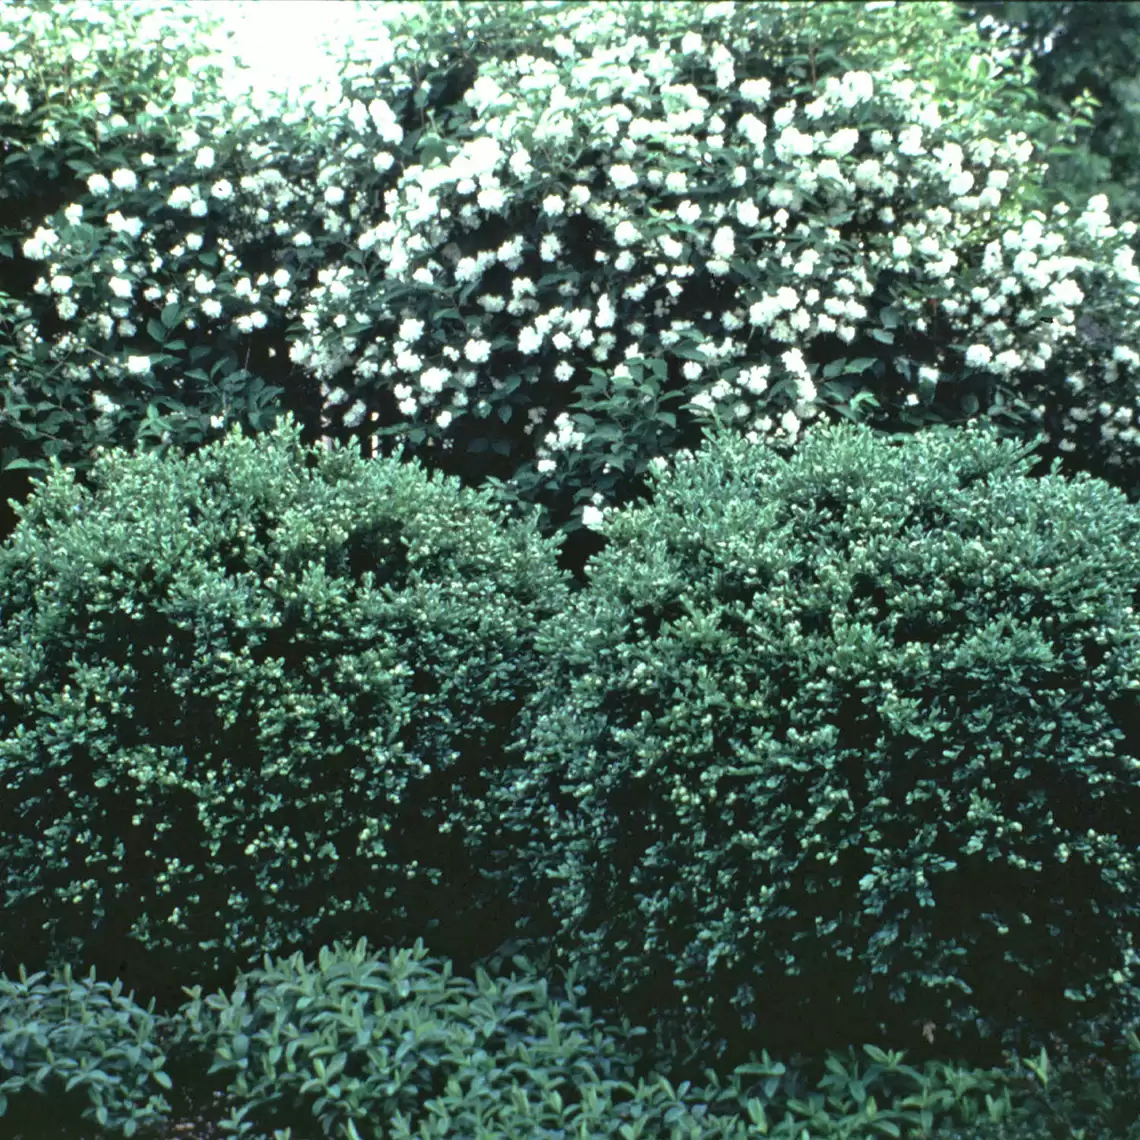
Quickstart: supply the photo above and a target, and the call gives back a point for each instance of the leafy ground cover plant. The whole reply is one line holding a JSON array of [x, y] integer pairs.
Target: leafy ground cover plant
[[352, 1044], [843, 744], [237, 687]]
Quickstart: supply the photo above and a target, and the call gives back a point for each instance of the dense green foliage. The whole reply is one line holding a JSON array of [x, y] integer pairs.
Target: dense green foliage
[[847, 742], [239, 687], [257, 700], [394, 1046]]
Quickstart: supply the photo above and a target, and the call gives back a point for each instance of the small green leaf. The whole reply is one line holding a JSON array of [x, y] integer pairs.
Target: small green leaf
[[864, 398], [757, 1115], [979, 67], [688, 352]]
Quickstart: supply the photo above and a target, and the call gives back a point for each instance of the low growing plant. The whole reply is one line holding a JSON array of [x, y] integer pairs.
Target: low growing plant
[[357, 1045]]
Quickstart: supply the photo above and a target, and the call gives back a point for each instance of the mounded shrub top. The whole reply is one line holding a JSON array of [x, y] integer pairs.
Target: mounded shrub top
[[235, 682], [857, 722]]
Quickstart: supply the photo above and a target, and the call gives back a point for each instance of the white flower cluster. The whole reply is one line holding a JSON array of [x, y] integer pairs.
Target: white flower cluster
[[758, 202]]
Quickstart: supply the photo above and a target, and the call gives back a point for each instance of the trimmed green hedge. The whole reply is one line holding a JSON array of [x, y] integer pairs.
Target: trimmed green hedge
[[240, 689], [843, 745]]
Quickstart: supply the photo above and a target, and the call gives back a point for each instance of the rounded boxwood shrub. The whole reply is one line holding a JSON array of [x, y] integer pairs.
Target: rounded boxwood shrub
[[239, 690], [843, 747]]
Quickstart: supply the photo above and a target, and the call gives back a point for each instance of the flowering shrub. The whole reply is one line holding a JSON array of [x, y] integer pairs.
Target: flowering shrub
[[514, 256]]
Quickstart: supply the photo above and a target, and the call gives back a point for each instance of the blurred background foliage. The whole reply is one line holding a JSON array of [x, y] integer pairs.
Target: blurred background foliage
[[1074, 47]]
